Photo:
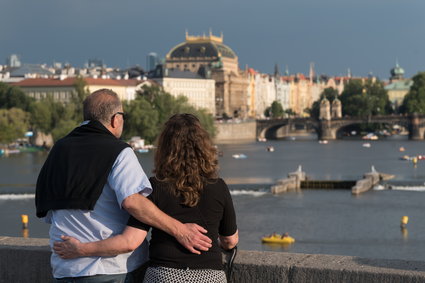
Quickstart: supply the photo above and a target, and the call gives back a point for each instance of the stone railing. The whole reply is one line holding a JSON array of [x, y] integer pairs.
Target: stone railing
[[27, 260]]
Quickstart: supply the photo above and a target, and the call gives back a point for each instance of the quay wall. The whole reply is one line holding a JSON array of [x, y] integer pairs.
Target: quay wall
[[27, 260], [235, 132]]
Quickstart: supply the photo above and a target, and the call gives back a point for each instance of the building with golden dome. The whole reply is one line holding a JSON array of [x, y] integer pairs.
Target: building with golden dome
[[209, 57]]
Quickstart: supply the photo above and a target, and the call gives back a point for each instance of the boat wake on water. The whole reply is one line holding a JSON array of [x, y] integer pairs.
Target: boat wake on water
[[248, 192], [401, 186], [16, 196], [408, 188]]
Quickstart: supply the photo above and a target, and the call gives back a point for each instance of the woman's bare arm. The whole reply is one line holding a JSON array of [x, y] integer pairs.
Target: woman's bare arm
[[126, 242], [229, 242]]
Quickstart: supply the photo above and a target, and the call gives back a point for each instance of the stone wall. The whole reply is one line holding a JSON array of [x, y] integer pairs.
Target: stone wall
[[235, 132], [27, 260]]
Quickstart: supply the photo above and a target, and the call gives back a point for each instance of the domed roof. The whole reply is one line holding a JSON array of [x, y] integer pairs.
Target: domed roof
[[201, 46], [397, 71]]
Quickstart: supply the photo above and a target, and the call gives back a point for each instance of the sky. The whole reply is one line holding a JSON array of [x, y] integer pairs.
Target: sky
[[365, 36]]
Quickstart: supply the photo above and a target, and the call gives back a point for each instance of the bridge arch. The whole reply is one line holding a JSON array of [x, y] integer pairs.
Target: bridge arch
[[338, 125], [273, 129], [327, 129], [351, 126]]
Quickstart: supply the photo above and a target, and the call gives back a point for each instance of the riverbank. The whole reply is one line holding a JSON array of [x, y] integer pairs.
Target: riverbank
[[27, 260]]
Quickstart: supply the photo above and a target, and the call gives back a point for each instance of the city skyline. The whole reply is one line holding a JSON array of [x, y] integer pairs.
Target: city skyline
[[363, 36]]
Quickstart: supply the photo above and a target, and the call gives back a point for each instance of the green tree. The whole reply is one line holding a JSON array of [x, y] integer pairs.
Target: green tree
[[63, 127], [51, 117], [152, 108], [81, 92], [142, 119], [12, 96], [365, 98], [276, 109], [41, 116], [13, 124], [414, 101]]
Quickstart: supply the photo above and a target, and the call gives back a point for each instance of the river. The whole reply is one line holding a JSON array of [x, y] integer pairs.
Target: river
[[321, 221]]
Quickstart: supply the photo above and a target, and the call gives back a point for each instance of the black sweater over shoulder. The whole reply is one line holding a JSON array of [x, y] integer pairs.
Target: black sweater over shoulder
[[214, 212], [77, 169]]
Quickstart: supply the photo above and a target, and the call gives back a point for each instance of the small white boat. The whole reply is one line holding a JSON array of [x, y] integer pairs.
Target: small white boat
[[239, 156], [323, 141], [270, 148], [370, 136], [366, 144]]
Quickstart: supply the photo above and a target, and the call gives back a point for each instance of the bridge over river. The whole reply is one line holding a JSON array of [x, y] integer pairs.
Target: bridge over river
[[329, 129]]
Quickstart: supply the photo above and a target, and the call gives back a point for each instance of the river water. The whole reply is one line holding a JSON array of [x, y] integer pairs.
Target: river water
[[321, 221]]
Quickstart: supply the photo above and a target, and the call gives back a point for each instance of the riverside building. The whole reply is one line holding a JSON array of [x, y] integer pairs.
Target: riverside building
[[62, 89], [398, 86], [199, 90], [209, 57]]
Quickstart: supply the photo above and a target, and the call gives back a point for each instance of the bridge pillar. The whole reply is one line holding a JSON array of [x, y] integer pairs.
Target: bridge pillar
[[326, 130], [416, 130]]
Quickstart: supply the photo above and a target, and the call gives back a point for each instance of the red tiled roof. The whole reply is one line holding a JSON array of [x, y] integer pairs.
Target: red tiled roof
[[42, 82], [45, 82], [252, 71], [130, 82]]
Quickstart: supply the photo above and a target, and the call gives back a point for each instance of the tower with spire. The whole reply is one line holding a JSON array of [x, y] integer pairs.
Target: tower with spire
[[276, 71], [397, 73], [312, 73], [398, 86]]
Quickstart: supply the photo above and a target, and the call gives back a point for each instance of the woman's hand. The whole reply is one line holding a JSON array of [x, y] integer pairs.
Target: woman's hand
[[68, 248]]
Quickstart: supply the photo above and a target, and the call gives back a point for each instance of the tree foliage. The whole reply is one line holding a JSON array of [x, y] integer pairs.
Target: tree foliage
[[414, 101], [364, 99], [148, 112], [13, 124], [81, 92], [152, 108], [52, 117], [12, 96], [275, 110]]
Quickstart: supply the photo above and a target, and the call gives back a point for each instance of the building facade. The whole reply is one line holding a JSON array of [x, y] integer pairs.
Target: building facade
[[398, 86], [210, 58], [63, 89], [199, 91]]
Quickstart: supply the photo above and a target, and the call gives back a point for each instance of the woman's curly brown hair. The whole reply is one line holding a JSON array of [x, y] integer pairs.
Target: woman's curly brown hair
[[185, 157]]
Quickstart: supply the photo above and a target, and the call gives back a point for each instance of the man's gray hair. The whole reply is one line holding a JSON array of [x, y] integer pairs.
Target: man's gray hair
[[101, 105]]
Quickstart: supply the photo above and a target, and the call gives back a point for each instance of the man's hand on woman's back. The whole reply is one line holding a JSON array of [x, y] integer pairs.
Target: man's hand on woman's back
[[193, 238]]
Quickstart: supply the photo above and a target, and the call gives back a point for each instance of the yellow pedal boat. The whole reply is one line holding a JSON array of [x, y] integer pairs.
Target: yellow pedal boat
[[277, 239]]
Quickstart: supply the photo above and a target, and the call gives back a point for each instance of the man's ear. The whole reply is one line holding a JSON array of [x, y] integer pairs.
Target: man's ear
[[113, 122]]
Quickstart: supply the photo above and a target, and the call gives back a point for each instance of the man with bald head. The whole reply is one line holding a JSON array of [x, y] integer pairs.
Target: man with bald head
[[87, 187]]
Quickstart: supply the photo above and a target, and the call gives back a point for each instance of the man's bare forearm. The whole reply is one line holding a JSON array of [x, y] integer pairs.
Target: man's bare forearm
[[229, 242], [190, 235], [126, 242], [110, 247], [147, 212]]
